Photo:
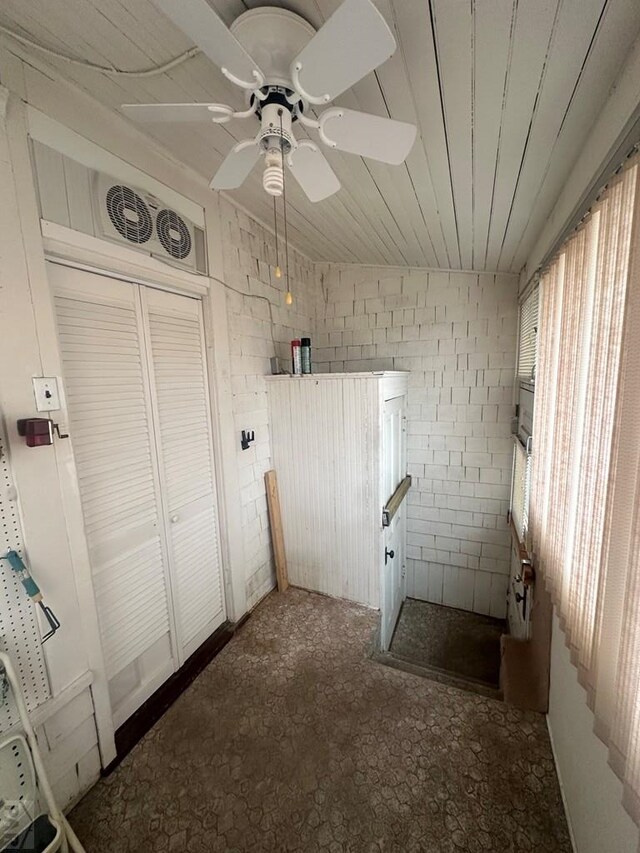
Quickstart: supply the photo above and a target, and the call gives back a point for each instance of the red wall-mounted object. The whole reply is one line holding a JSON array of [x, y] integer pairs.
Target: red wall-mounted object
[[38, 432]]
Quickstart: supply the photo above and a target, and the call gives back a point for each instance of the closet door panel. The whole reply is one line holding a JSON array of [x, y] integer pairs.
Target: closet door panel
[[110, 419], [178, 367], [195, 550]]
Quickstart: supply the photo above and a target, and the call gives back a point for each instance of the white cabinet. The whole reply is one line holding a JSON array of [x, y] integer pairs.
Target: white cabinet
[[339, 451]]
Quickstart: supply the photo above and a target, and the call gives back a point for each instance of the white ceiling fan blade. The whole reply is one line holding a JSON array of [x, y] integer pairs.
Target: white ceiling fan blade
[[198, 20], [312, 171], [371, 136], [174, 112], [236, 166], [354, 41]]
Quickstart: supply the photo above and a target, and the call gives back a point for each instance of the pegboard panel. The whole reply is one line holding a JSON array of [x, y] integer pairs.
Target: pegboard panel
[[19, 629]]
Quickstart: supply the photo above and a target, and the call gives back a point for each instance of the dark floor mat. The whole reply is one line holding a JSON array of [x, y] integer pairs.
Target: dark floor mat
[[457, 641]]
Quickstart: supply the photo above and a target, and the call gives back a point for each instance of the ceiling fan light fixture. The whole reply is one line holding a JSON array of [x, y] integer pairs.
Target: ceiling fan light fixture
[[273, 175], [276, 139]]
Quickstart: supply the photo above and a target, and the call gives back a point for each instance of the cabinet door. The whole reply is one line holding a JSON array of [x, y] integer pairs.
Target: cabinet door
[[178, 371], [111, 425]]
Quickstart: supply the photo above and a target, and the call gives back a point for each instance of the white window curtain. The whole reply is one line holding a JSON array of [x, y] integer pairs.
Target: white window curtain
[[584, 513]]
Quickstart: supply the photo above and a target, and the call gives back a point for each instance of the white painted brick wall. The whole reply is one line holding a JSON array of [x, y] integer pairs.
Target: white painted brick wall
[[456, 334], [258, 329]]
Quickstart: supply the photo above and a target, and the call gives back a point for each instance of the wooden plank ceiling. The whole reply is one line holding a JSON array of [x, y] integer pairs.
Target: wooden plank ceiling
[[504, 93]]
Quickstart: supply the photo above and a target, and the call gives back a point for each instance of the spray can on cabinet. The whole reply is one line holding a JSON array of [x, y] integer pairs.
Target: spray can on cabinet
[[296, 357], [305, 350]]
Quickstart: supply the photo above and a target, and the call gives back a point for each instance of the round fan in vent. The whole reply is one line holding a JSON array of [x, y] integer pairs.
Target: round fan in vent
[[129, 214], [173, 233]]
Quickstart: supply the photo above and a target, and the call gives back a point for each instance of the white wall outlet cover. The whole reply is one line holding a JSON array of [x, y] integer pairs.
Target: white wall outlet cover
[[46, 392]]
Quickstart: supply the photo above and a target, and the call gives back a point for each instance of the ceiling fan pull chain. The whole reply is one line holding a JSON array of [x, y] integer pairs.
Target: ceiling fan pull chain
[[278, 269], [296, 68], [288, 297]]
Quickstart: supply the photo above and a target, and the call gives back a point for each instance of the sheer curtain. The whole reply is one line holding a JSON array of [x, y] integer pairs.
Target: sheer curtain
[[584, 514]]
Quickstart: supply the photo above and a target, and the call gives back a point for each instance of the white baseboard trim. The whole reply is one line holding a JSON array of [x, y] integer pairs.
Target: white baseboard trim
[[562, 794]]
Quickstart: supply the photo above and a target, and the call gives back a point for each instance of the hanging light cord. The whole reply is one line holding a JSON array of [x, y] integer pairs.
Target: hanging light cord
[[275, 228], [284, 202], [153, 71]]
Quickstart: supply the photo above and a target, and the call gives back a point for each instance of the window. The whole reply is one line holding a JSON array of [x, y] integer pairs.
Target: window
[[527, 351], [520, 490], [528, 336], [584, 513]]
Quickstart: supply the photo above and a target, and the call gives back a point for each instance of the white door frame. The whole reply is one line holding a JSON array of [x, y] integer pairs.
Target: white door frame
[[397, 529], [71, 248]]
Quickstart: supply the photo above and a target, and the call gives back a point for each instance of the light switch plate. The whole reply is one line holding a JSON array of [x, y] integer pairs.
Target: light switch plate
[[47, 394]]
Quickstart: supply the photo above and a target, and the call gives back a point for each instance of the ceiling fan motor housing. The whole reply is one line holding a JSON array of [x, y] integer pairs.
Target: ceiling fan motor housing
[[275, 130], [273, 37]]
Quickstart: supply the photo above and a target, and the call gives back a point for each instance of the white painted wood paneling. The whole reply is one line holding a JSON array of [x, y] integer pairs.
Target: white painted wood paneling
[[68, 741], [575, 25], [611, 41], [492, 45], [453, 30], [326, 449], [417, 45], [502, 93], [530, 42]]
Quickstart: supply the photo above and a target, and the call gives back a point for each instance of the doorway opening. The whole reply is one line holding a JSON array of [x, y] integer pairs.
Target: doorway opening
[[448, 645]]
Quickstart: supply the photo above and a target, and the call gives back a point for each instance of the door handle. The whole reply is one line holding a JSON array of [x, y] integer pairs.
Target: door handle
[[388, 555], [174, 519]]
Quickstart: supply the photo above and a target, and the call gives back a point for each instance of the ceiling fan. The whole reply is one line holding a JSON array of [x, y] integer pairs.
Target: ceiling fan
[[286, 69]]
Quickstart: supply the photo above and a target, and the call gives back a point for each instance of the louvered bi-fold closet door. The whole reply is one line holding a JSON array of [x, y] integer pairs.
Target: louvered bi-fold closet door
[[105, 366], [183, 429]]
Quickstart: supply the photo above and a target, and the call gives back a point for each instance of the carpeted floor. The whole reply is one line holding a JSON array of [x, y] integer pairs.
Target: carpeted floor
[[294, 740], [457, 641]]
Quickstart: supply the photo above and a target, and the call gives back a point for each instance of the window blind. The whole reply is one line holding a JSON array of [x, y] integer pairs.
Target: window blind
[[528, 337], [584, 514]]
